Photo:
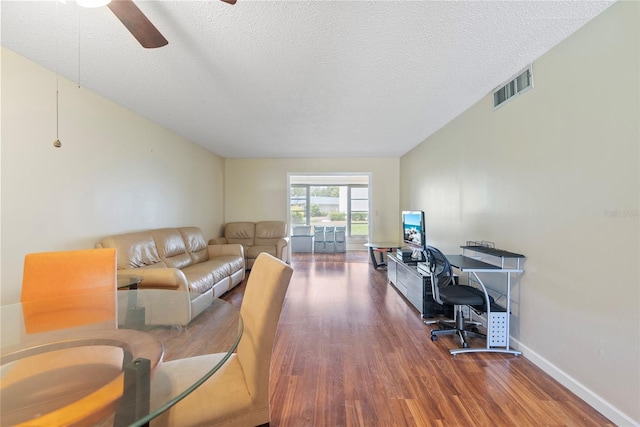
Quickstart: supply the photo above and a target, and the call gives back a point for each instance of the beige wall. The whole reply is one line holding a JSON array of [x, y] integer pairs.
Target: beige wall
[[555, 175], [115, 172], [256, 189]]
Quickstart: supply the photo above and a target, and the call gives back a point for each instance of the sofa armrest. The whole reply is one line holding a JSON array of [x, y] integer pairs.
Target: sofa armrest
[[282, 243], [159, 278], [281, 246], [218, 241], [216, 250]]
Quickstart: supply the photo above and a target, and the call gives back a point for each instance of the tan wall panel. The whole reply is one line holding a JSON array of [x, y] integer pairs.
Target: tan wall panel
[[256, 189]]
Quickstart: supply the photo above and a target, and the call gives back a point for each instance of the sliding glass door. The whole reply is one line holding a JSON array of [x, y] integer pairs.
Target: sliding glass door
[[326, 201]]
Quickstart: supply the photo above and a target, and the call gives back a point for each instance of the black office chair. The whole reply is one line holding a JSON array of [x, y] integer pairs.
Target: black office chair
[[445, 291]]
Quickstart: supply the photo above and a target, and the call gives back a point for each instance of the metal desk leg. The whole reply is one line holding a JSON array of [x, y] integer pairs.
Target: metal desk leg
[[501, 317]]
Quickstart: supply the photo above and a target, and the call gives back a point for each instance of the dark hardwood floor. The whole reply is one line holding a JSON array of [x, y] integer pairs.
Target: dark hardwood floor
[[351, 352]]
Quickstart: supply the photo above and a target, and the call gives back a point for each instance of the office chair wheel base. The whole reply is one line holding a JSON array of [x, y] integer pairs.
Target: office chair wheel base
[[434, 338]]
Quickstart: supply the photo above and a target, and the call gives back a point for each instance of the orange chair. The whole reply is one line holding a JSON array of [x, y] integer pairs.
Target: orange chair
[[63, 290], [66, 289]]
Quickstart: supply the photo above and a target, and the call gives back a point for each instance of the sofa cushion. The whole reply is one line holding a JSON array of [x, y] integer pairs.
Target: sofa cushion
[[236, 263], [171, 247], [195, 243], [134, 250], [218, 268], [200, 277], [240, 232], [269, 233], [253, 251]]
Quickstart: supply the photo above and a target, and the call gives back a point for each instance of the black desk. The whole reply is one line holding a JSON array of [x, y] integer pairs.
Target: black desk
[[497, 319]]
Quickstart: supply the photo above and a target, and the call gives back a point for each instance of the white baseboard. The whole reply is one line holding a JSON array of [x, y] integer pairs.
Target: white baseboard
[[598, 403]]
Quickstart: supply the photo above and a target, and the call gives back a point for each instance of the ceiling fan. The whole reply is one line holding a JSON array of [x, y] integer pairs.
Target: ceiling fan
[[134, 20]]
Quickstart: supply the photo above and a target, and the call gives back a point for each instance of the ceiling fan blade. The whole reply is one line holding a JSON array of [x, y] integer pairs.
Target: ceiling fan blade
[[230, 1], [137, 23]]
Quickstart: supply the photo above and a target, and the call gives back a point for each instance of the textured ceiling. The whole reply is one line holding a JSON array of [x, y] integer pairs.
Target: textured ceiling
[[297, 78]]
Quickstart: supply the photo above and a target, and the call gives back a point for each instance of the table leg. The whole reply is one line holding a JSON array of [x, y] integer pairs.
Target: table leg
[[372, 254], [136, 394], [374, 261]]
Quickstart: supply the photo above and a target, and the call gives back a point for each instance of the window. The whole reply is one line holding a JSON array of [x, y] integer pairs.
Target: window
[[358, 224]]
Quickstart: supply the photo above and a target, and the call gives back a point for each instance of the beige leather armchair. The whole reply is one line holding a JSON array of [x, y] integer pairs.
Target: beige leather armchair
[[257, 237]]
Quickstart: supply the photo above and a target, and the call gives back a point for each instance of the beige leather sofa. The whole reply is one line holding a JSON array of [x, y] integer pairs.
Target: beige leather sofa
[[178, 259], [257, 237]]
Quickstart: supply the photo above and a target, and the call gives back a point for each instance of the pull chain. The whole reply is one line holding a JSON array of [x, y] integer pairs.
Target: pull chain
[[57, 142]]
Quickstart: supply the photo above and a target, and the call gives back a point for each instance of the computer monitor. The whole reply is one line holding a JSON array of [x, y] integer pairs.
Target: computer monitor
[[414, 232]]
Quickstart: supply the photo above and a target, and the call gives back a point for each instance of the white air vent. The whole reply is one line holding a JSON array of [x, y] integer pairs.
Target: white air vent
[[515, 87]]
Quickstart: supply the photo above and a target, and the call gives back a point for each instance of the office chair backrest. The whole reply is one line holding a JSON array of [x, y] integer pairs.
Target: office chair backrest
[[441, 272]]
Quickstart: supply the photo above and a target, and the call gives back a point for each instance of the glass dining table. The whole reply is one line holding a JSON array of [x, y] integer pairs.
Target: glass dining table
[[94, 359]]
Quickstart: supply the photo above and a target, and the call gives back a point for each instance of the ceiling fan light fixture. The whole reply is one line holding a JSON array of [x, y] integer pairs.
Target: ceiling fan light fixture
[[93, 3]]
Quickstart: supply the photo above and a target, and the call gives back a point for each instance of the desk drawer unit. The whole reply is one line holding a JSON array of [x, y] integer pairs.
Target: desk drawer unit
[[414, 291], [401, 280], [409, 283]]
